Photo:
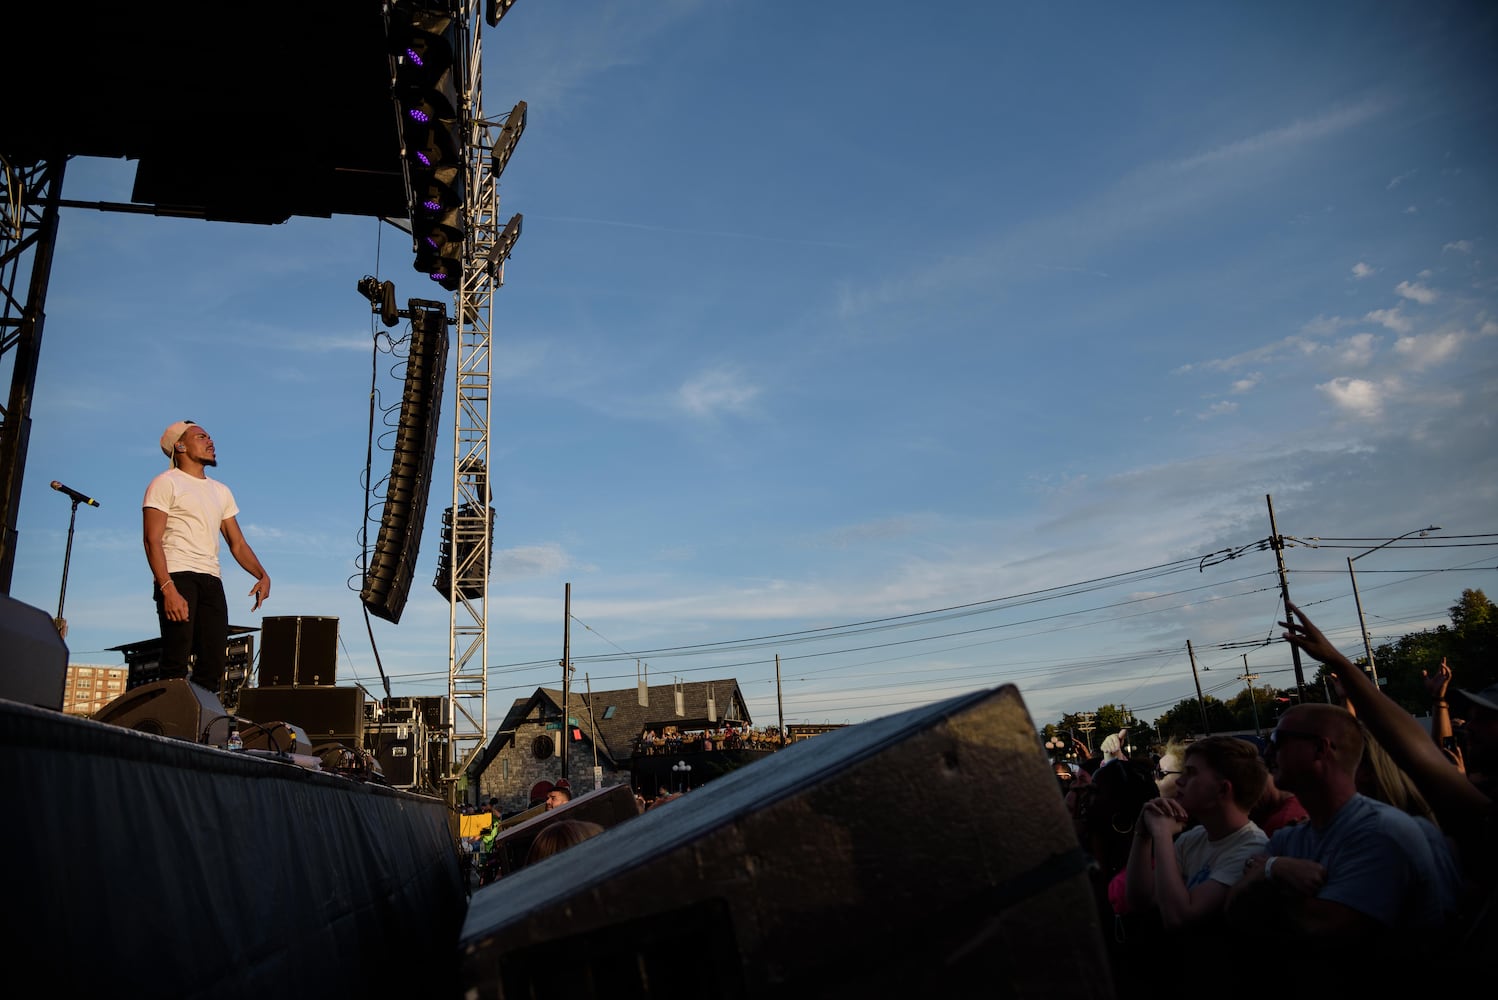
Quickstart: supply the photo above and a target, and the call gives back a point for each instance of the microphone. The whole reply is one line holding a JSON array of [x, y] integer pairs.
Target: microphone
[[77, 497]]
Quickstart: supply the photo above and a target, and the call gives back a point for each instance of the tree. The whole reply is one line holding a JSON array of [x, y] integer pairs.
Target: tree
[[1474, 654], [1184, 721]]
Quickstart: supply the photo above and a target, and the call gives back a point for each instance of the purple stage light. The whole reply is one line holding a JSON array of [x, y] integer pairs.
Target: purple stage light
[[432, 205], [426, 161], [414, 56], [420, 115]]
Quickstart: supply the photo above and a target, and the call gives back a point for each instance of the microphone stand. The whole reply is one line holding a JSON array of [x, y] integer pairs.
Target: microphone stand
[[60, 621]]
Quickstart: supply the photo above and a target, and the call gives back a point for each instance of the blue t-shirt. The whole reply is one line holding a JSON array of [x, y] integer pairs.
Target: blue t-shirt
[[1380, 861]]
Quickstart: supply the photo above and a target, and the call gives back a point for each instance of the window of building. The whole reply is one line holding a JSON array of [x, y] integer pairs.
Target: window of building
[[608, 713]]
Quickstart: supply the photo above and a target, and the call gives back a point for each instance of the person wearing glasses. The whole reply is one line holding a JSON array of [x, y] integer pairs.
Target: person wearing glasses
[[1186, 875], [1357, 871], [1169, 769]]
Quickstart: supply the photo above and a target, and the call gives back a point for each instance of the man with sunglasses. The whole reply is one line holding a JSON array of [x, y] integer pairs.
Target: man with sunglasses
[[1358, 870]]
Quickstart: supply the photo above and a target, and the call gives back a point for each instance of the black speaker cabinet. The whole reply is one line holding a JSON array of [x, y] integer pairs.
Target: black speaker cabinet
[[177, 708], [324, 714], [298, 651], [400, 747], [35, 668], [918, 855]]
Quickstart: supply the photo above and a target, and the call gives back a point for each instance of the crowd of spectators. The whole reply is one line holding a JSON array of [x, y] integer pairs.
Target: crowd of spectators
[[1350, 851], [671, 740]]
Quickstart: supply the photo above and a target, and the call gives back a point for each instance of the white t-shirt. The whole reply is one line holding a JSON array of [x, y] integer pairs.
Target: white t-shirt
[[1219, 860], [195, 512]]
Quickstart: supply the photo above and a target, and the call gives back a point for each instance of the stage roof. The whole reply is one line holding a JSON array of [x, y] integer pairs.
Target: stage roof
[[246, 113]]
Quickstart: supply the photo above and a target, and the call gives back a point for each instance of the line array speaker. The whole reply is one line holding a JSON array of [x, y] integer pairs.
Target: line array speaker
[[387, 577]]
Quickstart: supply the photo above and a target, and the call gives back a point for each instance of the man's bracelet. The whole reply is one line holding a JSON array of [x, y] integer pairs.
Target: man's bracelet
[[1269, 867], [1441, 703], [169, 583]]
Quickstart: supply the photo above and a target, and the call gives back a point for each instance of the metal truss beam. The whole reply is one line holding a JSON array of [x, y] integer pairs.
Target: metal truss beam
[[28, 238]]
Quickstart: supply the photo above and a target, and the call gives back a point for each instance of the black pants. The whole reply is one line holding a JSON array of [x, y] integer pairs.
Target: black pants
[[196, 647]]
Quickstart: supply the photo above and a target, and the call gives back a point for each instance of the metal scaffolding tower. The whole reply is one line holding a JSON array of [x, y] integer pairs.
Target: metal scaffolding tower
[[469, 524]]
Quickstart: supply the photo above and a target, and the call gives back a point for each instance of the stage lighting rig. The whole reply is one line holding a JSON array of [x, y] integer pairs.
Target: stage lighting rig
[[426, 45], [504, 245], [381, 295], [509, 136], [494, 10]]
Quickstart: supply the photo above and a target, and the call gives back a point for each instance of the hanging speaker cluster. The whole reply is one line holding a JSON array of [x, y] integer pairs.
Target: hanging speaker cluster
[[387, 576]]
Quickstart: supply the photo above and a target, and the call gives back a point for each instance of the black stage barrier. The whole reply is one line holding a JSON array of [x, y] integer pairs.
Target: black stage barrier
[[142, 866]]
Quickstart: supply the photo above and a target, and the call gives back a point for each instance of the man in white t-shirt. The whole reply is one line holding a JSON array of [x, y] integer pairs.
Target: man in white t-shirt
[[1187, 877], [184, 514]]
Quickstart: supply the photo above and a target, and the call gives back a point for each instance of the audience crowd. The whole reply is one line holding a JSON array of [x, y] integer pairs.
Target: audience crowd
[[1350, 852]]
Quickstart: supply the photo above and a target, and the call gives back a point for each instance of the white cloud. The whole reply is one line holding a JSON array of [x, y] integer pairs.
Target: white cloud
[[1322, 325], [1218, 409], [1460, 246], [1247, 382], [530, 561], [1420, 293], [1391, 318], [1361, 270], [1424, 350], [716, 391], [1267, 354], [1288, 136], [1399, 180], [1357, 349], [1411, 210], [1354, 395]]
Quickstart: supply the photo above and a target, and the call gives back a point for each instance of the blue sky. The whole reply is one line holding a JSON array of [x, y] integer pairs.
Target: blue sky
[[844, 312]]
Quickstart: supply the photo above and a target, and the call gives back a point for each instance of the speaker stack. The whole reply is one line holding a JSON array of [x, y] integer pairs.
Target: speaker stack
[[297, 651], [325, 714]]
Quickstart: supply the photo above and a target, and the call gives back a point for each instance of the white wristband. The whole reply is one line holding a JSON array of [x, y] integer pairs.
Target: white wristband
[[1269, 867]]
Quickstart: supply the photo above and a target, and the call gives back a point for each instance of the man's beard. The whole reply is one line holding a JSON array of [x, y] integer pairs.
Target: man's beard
[[211, 462]]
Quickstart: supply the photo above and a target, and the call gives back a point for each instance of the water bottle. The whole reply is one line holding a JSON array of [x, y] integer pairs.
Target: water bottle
[[235, 742]]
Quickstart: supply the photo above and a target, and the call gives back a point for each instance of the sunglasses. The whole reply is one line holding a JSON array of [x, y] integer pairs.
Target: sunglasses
[[1161, 773], [1279, 734]]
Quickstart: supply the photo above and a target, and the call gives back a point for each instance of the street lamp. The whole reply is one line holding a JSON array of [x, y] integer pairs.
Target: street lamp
[[684, 773], [1067, 749], [1358, 599]]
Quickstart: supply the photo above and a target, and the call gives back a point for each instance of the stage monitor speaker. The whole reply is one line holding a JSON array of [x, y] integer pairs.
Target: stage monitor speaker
[[177, 708], [324, 714], [919, 854], [296, 650], [35, 668]]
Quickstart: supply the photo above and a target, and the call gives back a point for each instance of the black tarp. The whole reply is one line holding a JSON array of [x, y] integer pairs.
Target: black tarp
[[137, 865]]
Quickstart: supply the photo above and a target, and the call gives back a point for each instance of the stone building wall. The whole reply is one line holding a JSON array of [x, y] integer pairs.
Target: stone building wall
[[517, 759]]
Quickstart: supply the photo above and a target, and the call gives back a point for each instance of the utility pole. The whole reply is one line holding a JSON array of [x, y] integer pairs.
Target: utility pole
[[1278, 545], [1087, 726], [566, 674], [1249, 679], [779, 703], [1200, 702]]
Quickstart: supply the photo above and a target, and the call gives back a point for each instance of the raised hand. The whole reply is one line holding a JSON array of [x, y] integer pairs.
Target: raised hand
[[1436, 684]]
